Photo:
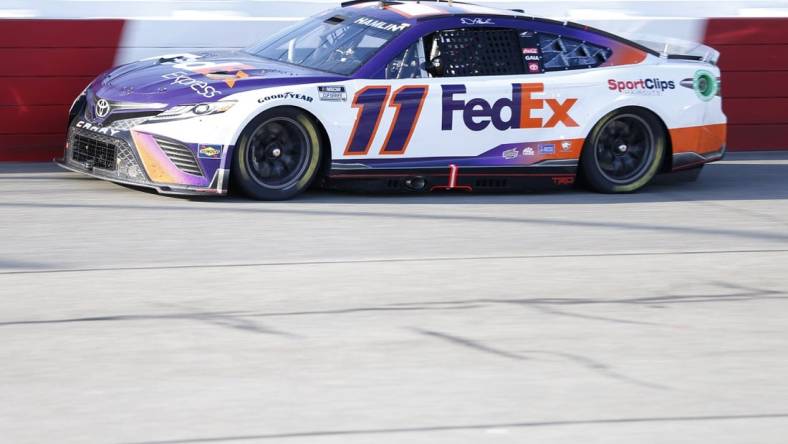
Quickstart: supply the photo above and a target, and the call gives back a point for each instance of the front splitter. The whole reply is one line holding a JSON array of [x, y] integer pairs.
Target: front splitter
[[218, 186]]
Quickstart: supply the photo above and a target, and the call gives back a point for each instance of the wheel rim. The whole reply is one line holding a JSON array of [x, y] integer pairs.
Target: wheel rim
[[624, 148], [278, 153]]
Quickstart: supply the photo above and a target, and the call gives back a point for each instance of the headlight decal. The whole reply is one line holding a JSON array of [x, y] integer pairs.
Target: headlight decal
[[198, 110]]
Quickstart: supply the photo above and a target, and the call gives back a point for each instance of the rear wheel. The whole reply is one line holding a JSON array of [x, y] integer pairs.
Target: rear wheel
[[624, 151], [277, 156]]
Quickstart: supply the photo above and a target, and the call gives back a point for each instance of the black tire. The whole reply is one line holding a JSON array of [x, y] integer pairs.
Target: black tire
[[278, 155], [624, 151]]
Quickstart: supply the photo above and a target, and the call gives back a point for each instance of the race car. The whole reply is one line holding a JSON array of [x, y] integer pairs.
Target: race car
[[405, 96]]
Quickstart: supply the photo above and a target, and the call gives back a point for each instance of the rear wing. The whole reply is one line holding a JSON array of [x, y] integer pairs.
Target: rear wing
[[681, 49]]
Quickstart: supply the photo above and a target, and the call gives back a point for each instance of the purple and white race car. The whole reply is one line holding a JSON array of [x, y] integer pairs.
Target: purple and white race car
[[404, 96]]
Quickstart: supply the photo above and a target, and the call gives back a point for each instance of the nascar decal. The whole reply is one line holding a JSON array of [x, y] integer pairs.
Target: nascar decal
[[478, 114], [332, 93]]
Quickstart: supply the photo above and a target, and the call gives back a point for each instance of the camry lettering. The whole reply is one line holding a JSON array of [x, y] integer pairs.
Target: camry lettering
[[97, 129], [478, 114]]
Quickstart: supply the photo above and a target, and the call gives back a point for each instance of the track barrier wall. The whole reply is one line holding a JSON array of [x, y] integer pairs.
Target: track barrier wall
[[47, 62]]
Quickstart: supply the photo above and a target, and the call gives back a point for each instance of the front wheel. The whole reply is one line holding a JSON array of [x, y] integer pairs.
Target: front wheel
[[624, 151], [277, 156]]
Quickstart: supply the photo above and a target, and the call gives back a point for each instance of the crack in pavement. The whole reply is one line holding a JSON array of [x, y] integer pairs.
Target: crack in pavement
[[460, 427], [384, 260], [584, 361]]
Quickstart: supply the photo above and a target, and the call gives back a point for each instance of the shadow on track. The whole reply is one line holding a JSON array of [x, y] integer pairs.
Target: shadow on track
[[750, 179]]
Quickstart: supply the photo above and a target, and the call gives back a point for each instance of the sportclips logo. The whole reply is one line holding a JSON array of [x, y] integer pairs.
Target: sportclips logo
[[506, 113], [643, 87]]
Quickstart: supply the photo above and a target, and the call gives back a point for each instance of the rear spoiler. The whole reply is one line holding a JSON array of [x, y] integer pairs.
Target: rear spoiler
[[675, 49]]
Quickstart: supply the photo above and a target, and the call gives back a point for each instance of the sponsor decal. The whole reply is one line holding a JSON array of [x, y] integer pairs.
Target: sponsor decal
[[97, 129], [705, 85], [332, 93], [642, 87], [563, 180], [534, 67], [229, 79], [528, 151], [286, 95], [566, 146], [476, 21], [216, 71], [198, 86], [209, 151], [532, 58], [511, 154], [380, 24], [547, 148], [506, 113], [533, 51]]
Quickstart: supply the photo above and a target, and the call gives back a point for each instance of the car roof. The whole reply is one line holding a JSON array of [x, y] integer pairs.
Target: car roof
[[413, 11], [426, 9]]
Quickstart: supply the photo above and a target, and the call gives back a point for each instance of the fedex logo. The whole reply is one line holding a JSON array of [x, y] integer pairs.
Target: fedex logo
[[478, 114]]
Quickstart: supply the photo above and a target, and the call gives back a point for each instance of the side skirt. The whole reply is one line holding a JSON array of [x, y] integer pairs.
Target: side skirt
[[475, 179]]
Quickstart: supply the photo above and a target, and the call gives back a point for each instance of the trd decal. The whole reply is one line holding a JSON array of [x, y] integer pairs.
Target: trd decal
[[478, 114], [371, 102]]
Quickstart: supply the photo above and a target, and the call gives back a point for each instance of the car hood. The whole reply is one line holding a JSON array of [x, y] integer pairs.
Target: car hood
[[189, 78]]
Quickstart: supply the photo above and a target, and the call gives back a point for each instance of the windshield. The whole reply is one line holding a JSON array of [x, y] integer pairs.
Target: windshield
[[337, 43]]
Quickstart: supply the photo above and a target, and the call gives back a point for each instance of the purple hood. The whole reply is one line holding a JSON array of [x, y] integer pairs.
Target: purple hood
[[199, 77]]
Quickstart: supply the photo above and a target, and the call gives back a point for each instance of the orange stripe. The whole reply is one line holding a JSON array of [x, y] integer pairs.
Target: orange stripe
[[699, 139]]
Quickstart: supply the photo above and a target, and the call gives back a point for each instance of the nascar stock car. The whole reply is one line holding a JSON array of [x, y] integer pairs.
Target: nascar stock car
[[404, 96]]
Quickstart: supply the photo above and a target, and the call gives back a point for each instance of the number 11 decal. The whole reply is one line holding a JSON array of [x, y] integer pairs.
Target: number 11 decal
[[370, 102]]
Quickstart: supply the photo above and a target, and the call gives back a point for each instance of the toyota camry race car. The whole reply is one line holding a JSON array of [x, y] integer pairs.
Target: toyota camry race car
[[405, 96]]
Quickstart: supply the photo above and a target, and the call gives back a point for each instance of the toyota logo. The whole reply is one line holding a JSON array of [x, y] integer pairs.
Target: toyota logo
[[102, 108]]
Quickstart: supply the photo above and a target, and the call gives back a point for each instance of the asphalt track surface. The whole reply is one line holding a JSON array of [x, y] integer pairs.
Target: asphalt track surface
[[571, 317]]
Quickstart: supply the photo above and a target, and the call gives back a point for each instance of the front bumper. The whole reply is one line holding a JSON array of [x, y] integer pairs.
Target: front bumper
[[140, 159]]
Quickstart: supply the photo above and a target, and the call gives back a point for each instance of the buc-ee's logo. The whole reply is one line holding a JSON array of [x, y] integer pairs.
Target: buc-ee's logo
[[642, 86], [478, 114]]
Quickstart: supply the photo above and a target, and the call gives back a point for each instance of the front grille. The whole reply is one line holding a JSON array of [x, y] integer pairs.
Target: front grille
[[180, 155], [127, 124], [94, 152]]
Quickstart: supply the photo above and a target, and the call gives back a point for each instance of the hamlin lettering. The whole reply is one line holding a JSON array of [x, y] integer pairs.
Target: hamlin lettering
[[478, 114], [379, 24]]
